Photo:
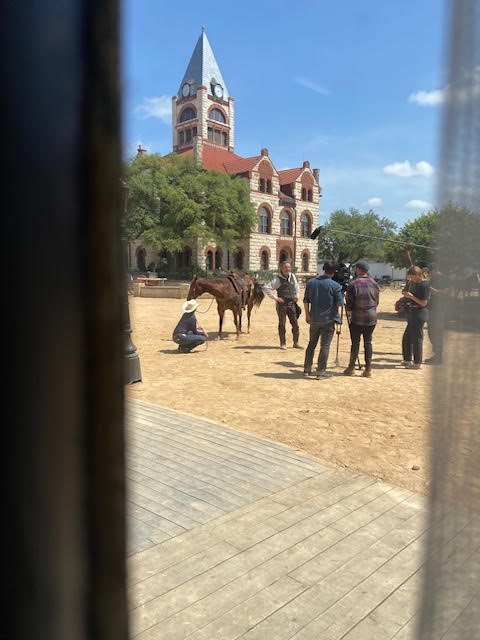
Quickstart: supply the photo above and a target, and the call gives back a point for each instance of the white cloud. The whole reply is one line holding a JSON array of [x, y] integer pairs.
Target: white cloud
[[405, 169], [427, 98], [375, 202], [466, 88], [160, 107], [311, 84], [418, 204]]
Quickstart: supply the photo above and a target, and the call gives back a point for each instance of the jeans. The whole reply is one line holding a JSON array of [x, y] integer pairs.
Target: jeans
[[356, 331], [435, 327], [412, 341], [325, 333], [189, 341], [285, 309]]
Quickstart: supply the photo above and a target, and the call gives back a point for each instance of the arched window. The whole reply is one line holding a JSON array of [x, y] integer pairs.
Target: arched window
[[284, 257], [188, 114], [264, 260], [305, 262], [310, 195], [238, 259], [263, 220], [209, 261], [306, 227], [216, 114], [304, 193], [218, 259], [286, 224]]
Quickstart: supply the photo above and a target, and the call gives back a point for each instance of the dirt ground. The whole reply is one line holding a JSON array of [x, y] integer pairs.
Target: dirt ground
[[378, 426]]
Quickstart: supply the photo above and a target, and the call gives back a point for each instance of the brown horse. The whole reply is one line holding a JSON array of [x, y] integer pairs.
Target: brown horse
[[236, 292]]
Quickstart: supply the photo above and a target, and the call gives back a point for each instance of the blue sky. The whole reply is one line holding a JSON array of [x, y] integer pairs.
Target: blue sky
[[354, 87]]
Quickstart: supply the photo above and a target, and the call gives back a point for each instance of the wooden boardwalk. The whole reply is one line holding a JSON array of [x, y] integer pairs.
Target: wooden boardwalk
[[233, 536]]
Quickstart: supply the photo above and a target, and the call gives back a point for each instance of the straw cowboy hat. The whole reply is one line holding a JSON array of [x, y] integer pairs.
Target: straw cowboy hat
[[190, 305]]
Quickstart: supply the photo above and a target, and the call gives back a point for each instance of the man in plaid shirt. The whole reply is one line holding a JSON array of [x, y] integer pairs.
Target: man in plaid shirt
[[361, 302]]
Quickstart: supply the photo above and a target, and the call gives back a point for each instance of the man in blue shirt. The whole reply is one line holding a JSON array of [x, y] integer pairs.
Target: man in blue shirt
[[322, 299]]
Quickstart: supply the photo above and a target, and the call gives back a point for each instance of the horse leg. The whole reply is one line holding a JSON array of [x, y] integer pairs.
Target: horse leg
[[221, 313], [235, 318], [249, 313], [239, 320]]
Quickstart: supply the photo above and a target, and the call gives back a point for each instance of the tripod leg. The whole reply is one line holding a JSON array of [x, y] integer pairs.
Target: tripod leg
[[348, 321], [339, 330]]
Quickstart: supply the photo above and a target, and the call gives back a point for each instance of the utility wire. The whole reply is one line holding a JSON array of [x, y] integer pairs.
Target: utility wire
[[318, 230]]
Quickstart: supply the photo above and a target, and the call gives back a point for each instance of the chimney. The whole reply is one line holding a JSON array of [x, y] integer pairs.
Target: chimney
[[198, 150], [140, 151], [316, 175], [264, 152], [306, 165]]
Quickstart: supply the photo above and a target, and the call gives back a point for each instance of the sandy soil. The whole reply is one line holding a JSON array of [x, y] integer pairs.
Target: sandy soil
[[378, 426]]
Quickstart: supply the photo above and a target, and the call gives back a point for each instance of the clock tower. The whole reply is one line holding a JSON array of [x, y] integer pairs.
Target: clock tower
[[202, 109]]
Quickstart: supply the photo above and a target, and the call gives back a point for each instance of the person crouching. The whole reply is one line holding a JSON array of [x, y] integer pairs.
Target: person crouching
[[187, 334]]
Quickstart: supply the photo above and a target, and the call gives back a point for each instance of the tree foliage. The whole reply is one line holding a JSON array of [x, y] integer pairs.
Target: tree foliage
[[171, 198], [342, 247], [422, 230], [452, 231]]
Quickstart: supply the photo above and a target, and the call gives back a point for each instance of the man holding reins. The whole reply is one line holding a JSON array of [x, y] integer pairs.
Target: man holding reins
[[284, 289]]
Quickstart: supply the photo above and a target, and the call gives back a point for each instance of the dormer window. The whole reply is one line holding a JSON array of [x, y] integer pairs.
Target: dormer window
[[216, 114], [269, 186], [261, 185], [304, 193], [188, 114], [310, 195]]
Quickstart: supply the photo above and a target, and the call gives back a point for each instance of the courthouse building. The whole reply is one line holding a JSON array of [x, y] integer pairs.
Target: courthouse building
[[286, 201]]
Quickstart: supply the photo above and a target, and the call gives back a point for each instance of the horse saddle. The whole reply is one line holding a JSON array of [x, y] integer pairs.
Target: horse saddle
[[240, 286]]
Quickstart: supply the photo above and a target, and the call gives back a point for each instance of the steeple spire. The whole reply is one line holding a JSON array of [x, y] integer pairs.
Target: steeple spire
[[203, 70]]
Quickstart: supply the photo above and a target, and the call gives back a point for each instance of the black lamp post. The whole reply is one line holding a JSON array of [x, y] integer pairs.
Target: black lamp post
[[132, 372]]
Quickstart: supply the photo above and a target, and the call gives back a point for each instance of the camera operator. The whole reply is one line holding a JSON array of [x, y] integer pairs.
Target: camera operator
[[342, 275], [361, 300]]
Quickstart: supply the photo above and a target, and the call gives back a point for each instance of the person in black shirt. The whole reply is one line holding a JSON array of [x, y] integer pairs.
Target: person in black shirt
[[416, 294], [187, 334]]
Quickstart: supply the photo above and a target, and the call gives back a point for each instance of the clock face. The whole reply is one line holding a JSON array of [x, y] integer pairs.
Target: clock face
[[186, 89], [218, 90]]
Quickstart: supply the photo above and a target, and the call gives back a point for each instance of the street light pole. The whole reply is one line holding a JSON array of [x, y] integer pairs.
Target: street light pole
[[132, 372]]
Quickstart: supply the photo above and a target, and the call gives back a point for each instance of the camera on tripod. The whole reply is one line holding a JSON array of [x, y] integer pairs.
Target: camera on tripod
[[342, 275]]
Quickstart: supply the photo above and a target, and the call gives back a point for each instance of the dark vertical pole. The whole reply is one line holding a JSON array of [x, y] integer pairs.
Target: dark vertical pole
[[132, 371], [60, 115]]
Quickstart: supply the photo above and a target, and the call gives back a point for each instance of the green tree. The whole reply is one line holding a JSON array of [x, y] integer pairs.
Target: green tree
[[343, 247], [452, 231], [422, 230], [171, 198]]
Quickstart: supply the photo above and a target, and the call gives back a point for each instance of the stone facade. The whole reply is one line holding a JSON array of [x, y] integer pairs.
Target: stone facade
[[286, 201]]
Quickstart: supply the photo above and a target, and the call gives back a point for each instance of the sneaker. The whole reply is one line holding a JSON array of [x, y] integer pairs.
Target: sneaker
[[283, 346], [413, 365], [297, 346], [349, 371], [306, 374], [322, 373], [367, 373], [405, 363]]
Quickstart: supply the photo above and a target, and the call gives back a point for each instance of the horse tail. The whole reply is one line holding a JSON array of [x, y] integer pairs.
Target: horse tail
[[258, 294]]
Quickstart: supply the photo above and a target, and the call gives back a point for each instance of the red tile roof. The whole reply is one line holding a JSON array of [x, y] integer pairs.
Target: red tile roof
[[287, 176], [213, 158], [241, 165]]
